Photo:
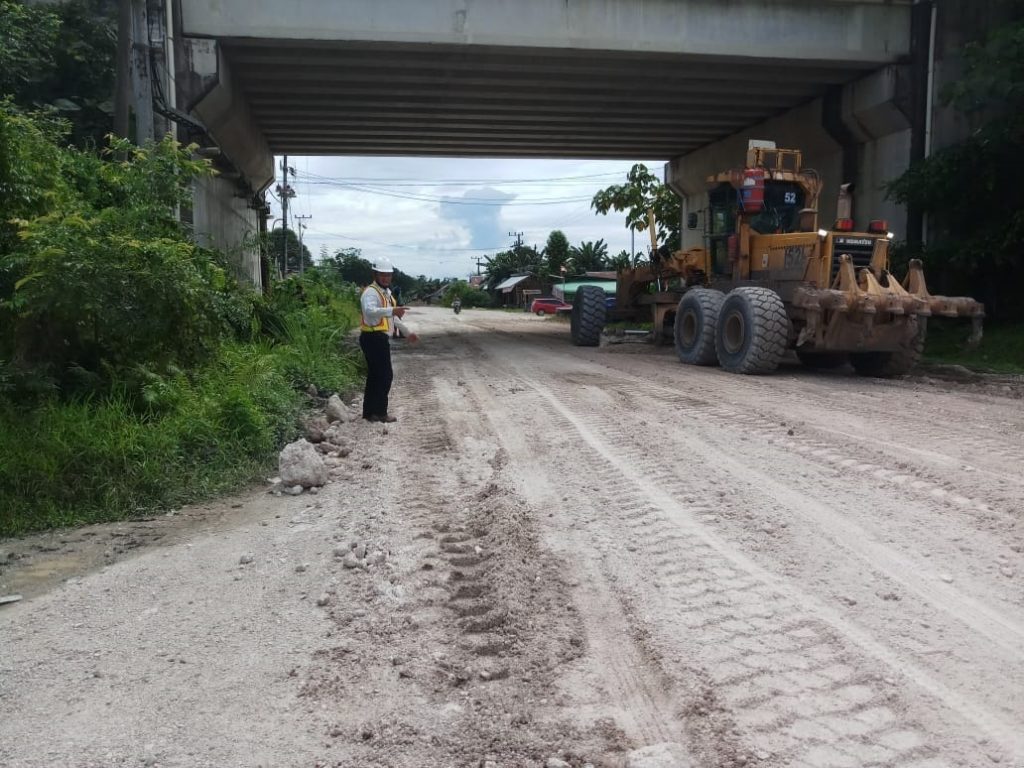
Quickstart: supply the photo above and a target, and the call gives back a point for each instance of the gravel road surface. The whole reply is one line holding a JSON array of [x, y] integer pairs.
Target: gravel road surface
[[558, 557]]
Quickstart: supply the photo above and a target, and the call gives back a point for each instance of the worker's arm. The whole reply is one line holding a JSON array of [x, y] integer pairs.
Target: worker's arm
[[406, 329]]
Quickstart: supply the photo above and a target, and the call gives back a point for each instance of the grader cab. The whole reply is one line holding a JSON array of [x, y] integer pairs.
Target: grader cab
[[769, 279]]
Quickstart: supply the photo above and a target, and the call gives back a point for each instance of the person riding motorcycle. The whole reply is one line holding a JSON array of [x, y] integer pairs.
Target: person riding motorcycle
[[457, 305]]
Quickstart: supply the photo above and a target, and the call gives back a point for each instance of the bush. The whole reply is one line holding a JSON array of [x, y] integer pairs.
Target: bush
[[101, 278], [96, 459], [470, 296], [134, 372]]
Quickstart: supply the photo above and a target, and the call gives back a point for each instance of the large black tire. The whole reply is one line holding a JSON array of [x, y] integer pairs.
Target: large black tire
[[696, 319], [822, 361], [885, 365], [752, 331], [588, 314]]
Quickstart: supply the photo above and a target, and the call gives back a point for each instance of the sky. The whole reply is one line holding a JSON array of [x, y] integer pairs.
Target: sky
[[437, 216]]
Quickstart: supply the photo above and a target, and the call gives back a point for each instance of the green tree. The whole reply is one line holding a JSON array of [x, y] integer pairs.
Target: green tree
[[102, 281], [972, 190], [276, 254], [620, 261], [470, 296], [589, 256], [556, 252], [350, 266], [515, 261], [641, 193], [61, 58], [28, 36]]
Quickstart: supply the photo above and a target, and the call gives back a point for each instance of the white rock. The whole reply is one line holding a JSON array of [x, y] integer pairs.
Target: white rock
[[337, 410], [300, 464], [351, 561], [245, 559], [341, 551], [377, 558], [360, 551], [295, 490], [665, 755], [946, 578], [323, 600], [1006, 571], [335, 435], [315, 490], [554, 762]]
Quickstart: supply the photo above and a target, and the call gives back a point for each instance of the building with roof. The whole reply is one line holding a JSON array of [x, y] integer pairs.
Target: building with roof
[[519, 290]]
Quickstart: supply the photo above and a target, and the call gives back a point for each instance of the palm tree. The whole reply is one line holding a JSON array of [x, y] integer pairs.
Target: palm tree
[[589, 256]]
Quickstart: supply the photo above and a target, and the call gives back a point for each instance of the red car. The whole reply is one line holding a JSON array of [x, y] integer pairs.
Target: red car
[[548, 306]]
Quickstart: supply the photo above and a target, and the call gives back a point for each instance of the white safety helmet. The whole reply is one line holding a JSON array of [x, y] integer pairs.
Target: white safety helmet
[[383, 264]]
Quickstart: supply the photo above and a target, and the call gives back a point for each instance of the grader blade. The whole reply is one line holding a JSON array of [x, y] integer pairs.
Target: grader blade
[[946, 306]]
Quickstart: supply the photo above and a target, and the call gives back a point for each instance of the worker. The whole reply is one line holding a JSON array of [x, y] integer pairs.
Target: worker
[[379, 313]]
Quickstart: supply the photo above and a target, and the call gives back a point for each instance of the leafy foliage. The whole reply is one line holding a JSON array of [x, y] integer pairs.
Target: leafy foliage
[[556, 254], [641, 193], [971, 190], [589, 256], [61, 58], [470, 296], [28, 36], [276, 252], [101, 278], [520, 259]]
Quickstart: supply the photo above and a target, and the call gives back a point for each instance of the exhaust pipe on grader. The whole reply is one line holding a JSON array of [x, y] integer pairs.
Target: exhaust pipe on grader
[[768, 280]]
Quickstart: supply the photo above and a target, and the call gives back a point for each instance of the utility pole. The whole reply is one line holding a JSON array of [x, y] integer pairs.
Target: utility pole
[[479, 261], [285, 192], [519, 240], [302, 227]]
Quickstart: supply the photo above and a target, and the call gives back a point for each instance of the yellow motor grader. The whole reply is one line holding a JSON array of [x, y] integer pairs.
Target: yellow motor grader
[[768, 279]]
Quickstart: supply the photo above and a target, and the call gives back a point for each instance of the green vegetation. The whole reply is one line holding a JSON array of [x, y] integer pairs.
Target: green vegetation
[[971, 190], [135, 372], [1001, 349], [642, 194], [470, 296]]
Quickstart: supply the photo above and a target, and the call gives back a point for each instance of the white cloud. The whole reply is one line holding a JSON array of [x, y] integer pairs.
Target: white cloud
[[413, 209]]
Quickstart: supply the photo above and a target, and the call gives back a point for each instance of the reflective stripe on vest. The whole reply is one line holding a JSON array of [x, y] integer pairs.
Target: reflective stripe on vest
[[384, 324]]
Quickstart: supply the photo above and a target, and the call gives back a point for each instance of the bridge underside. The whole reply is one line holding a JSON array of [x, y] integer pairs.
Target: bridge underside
[[365, 98]]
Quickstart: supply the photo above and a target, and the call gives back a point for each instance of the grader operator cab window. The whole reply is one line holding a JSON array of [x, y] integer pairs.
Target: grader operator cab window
[[783, 201], [724, 205]]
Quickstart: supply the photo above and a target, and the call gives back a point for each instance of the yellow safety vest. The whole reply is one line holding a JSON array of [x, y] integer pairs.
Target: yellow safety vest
[[385, 322]]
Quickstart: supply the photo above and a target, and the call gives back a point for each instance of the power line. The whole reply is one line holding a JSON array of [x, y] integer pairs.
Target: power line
[[399, 181], [454, 200]]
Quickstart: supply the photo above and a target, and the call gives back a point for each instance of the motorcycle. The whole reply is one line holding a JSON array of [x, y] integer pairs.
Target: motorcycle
[[457, 306]]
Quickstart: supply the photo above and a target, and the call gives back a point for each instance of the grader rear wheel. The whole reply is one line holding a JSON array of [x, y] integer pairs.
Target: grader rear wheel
[[588, 316], [696, 319], [752, 331]]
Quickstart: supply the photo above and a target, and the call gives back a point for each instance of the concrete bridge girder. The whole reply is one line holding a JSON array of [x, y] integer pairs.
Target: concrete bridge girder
[[594, 65], [614, 79]]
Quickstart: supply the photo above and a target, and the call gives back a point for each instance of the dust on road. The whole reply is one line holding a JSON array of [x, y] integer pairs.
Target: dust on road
[[573, 556]]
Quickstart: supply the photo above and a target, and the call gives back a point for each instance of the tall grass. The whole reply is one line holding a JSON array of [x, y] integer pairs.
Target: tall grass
[[185, 438], [1001, 349]]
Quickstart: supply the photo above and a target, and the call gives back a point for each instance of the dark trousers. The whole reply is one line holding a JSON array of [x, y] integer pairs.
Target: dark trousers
[[377, 351]]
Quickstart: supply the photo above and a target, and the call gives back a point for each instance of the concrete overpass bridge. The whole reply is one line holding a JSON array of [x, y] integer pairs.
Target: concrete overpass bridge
[[687, 80]]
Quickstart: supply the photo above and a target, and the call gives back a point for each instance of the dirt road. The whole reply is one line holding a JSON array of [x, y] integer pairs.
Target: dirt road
[[581, 555]]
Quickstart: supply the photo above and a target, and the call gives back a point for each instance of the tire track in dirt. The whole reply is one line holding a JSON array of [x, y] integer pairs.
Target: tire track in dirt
[[634, 692], [475, 613], [646, 523], [726, 581]]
